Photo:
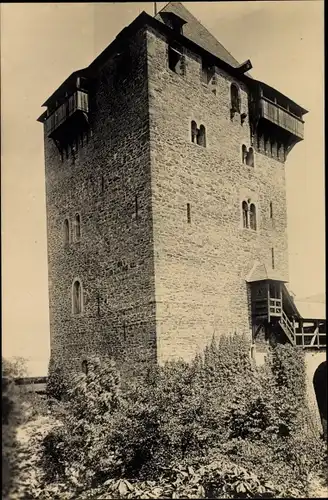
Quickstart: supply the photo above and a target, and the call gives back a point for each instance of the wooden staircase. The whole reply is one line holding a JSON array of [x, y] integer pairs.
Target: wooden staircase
[[302, 332], [272, 305], [287, 327]]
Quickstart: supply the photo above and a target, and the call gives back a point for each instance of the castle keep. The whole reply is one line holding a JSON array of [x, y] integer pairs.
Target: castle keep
[[166, 199]]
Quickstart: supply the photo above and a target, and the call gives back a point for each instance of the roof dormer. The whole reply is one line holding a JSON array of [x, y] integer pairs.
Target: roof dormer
[[174, 21]]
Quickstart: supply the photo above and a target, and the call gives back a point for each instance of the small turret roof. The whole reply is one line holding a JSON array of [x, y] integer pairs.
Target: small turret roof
[[259, 272]]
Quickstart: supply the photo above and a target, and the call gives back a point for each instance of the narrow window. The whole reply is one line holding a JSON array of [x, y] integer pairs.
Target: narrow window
[[193, 131], [271, 210], [176, 60], [245, 214], [124, 330], [201, 136], [66, 232], [77, 227], [243, 153], [206, 73], [250, 157], [77, 298], [98, 304], [252, 216], [235, 98], [188, 213], [272, 258], [136, 202], [85, 367]]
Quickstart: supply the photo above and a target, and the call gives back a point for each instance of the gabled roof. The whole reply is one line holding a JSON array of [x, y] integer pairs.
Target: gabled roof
[[196, 32], [259, 272]]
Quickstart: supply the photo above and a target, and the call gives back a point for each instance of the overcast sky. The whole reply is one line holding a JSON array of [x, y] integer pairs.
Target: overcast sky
[[41, 44]]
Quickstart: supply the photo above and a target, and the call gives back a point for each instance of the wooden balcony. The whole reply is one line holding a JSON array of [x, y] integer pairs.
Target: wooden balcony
[[77, 102], [281, 117]]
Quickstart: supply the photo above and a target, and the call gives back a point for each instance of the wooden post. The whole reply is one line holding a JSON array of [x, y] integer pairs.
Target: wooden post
[[317, 330], [302, 330]]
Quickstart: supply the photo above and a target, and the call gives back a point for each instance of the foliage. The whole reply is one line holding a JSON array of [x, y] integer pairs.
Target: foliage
[[77, 449], [218, 427], [181, 412], [57, 382], [11, 417], [20, 409]]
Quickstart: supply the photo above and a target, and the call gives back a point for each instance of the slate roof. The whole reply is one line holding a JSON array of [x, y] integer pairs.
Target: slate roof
[[197, 33]]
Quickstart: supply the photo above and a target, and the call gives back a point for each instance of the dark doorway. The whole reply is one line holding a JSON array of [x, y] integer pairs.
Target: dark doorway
[[320, 389]]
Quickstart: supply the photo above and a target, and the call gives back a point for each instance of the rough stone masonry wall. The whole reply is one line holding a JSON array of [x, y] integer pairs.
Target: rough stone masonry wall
[[114, 258], [200, 268]]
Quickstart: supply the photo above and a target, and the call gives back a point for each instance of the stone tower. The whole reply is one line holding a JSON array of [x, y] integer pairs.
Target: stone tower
[[166, 201]]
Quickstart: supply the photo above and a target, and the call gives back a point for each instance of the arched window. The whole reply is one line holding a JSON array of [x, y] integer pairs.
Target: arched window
[[252, 216], [243, 153], [193, 131], [77, 227], [235, 98], [250, 157], [85, 367], [77, 305], [201, 136], [245, 214], [66, 232]]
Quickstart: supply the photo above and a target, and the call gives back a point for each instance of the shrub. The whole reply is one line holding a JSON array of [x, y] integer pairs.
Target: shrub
[[183, 411], [187, 430], [12, 415], [57, 382], [77, 450]]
